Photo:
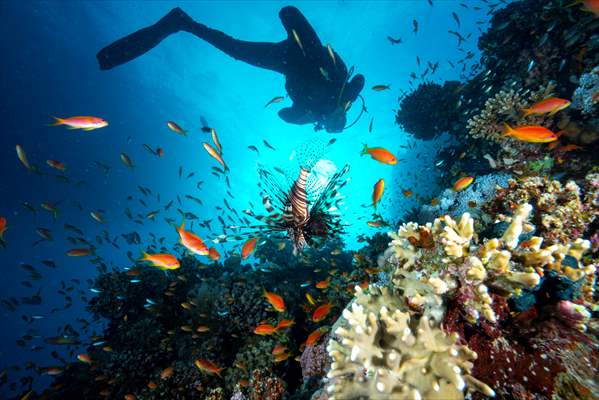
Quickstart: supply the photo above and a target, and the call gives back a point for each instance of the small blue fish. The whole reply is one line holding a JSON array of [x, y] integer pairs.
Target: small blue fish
[[222, 313], [100, 343], [135, 280], [94, 290]]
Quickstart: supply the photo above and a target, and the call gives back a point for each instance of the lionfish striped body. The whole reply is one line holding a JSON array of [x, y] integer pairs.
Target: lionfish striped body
[[303, 212], [296, 211]]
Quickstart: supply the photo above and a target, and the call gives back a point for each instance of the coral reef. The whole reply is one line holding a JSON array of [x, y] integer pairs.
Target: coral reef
[[444, 280], [430, 110]]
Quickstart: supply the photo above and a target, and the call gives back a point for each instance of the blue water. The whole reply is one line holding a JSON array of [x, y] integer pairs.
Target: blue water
[[49, 69]]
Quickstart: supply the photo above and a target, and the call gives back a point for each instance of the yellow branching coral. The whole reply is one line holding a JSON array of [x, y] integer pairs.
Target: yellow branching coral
[[387, 353], [456, 237]]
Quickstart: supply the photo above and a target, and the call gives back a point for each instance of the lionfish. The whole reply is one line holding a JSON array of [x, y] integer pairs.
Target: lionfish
[[302, 205], [306, 211]]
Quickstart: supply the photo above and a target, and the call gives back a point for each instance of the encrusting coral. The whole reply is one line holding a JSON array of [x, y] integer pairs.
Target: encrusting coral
[[585, 96]]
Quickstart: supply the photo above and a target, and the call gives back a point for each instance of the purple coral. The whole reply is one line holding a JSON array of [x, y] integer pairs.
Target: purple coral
[[315, 360]]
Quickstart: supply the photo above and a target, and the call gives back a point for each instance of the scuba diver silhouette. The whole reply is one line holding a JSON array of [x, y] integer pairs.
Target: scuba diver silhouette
[[316, 79]]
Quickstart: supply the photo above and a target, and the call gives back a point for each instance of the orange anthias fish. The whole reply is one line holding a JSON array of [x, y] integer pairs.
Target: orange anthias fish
[[167, 373], [380, 154], [192, 242], [323, 284], [265, 329], [591, 6], [313, 337], [213, 254], [164, 261], [531, 133], [208, 366], [377, 191], [212, 151], [97, 216], [216, 141], [176, 128], [278, 349], [275, 301], [462, 183], [550, 105], [569, 147], [321, 312], [248, 247], [84, 358], [79, 252], [86, 123], [284, 323], [281, 357], [126, 160], [407, 193], [376, 224], [378, 88], [23, 157], [3, 227], [56, 165], [274, 100]]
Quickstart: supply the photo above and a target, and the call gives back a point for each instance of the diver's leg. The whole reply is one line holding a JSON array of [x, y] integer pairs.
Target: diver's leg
[[265, 55], [143, 40], [261, 54], [296, 115], [294, 20]]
